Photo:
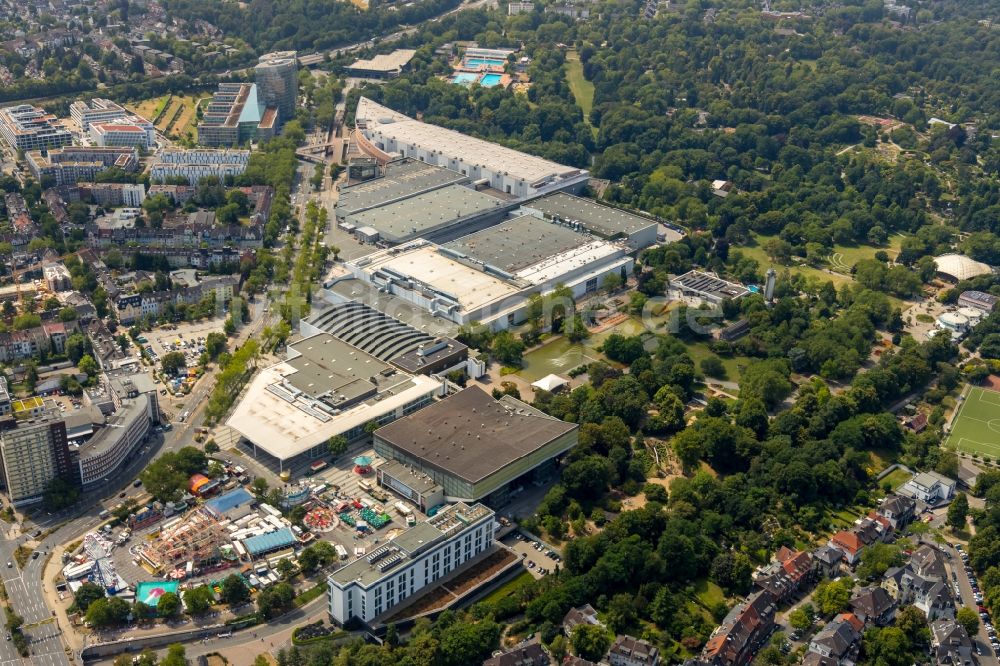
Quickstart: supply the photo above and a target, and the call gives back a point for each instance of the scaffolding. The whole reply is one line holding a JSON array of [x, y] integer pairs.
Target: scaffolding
[[197, 538]]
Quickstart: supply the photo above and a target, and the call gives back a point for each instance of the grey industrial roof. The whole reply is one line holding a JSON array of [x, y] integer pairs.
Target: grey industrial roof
[[413, 478], [416, 360], [425, 212], [371, 331], [704, 283], [518, 243], [471, 436], [117, 426], [327, 364], [358, 290], [265, 543], [402, 179], [374, 117], [385, 62], [599, 218]]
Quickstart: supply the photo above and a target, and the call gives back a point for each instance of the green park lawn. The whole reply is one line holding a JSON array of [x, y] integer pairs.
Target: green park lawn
[[895, 478], [583, 90], [756, 251]]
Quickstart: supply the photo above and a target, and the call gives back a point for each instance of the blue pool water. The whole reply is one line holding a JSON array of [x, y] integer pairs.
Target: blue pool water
[[754, 289], [465, 78], [490, 80], [476, 62]]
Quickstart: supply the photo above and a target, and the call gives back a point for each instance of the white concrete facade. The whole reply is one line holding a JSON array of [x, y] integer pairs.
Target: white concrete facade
[[427, 552]]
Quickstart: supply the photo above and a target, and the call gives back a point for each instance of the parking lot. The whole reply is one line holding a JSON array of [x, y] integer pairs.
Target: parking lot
[[987, 632], [538, 558], [183, 337]]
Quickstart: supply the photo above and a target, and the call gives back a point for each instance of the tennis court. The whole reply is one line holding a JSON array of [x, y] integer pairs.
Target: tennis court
[[976, 429]]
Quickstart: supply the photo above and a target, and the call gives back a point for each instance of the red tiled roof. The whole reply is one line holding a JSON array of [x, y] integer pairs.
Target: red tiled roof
[[797, 565], [849, 541], [784, 553], [851, 618]]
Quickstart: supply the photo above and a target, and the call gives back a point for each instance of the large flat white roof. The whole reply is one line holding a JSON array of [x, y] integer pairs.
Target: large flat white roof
[[280, 411], [380, 119], [472, 288]]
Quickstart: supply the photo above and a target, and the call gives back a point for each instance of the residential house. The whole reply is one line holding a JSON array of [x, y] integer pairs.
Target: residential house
[[56, 333], [917, 423], [838, 643], [935, 600], [573, 660], [930, 487], [968, 473], [929, 562], [950, 644], [582, 615], [826, 561], [630, 651], [848, 543], [786, 574], [871, 530], [922, 582], [897, 509], [529, 653], [744, 631], [874, 606]]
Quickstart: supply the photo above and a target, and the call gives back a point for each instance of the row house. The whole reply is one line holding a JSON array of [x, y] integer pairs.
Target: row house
[[56, 205], [786, 575], [31, 343], [865, 532], [200, 258], [17, 213], [133, 307], [196, 235], [742, 633]]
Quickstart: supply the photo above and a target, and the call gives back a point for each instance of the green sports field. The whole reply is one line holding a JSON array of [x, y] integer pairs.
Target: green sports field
[[976, 429]]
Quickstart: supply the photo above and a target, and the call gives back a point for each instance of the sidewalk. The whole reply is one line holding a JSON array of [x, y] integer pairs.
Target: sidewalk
[[49, 573]]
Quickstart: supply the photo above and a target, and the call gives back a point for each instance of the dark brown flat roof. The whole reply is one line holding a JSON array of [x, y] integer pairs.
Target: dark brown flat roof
[[472, 436]]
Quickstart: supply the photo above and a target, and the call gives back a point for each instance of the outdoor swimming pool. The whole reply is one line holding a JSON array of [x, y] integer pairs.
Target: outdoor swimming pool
[[490, 80], [488, 62], [465, 78]]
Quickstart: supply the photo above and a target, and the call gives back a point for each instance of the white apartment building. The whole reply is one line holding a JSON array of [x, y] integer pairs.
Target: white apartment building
[[402, 567], [194, 172], [193, 165], [27, 127], [98, 111], [124, 131], [204, 156]]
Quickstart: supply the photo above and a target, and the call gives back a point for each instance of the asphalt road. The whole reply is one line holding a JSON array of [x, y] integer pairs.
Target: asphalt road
[[968, 599], [24, 591]]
